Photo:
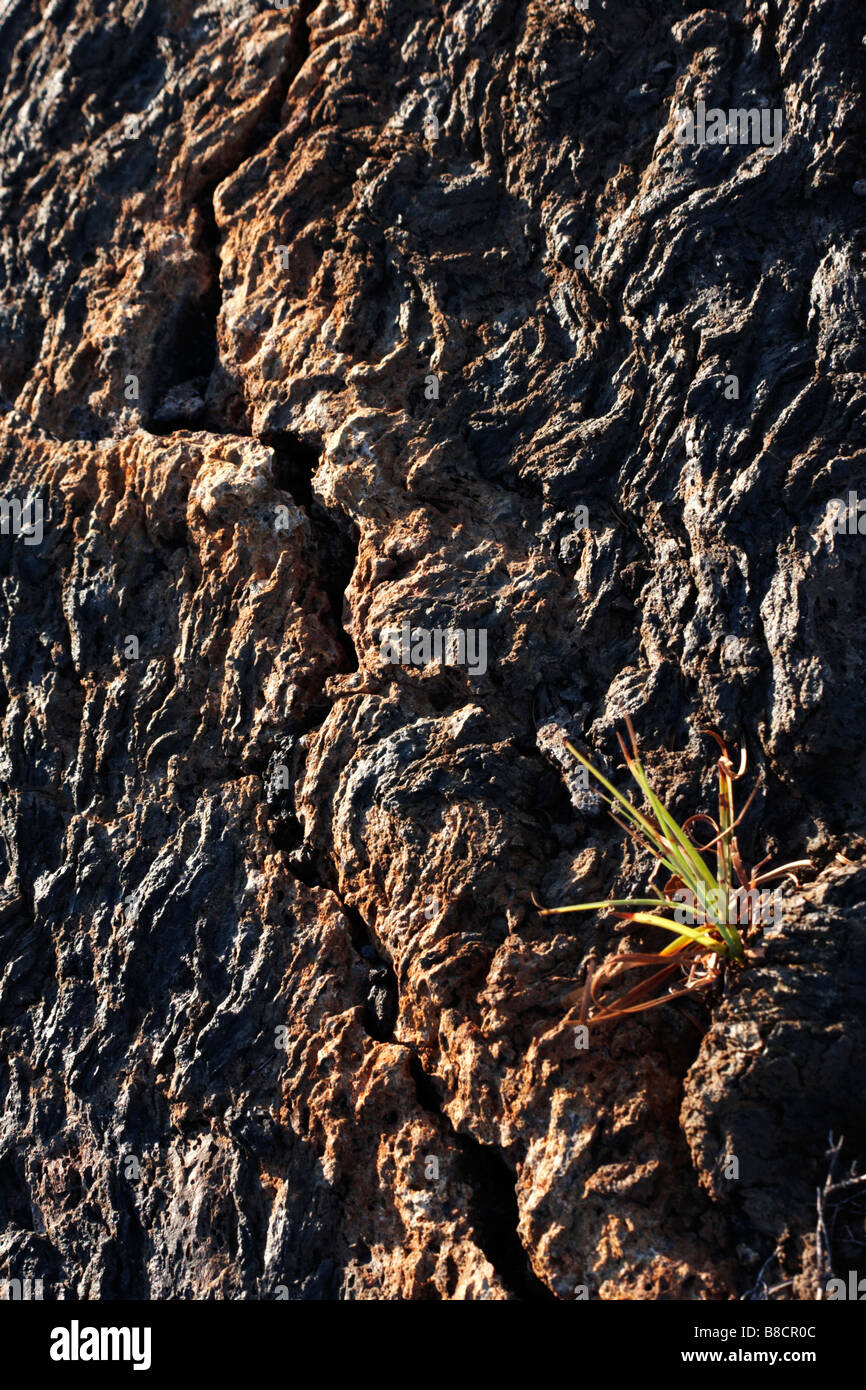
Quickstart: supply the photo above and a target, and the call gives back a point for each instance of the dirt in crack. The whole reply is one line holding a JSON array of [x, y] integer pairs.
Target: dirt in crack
[[494, 1214], [335, 537]]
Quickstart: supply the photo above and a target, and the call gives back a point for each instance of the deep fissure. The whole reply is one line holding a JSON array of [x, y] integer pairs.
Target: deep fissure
[[336, 540], [192, 351], [493, 1209]]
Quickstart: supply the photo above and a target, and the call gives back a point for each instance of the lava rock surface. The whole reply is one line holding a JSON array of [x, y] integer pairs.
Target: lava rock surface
[[323, 320]]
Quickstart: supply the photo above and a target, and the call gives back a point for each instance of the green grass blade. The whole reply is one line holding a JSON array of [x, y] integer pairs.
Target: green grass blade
[[668, 856], [651, 919], [600, 906], [630, 810], [694, 868], [705, 876]]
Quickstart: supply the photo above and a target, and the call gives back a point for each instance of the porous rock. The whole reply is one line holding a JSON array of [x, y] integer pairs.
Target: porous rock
[[317, 321]]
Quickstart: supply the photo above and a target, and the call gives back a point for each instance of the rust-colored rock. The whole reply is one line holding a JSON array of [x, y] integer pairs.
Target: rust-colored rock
[[323, 323]]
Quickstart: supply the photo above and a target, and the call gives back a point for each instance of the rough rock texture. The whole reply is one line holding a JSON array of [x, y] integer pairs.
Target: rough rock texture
[[278, 1017]]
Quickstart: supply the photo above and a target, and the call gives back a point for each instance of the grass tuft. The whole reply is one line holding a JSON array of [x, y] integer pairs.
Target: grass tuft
[[714, 916]]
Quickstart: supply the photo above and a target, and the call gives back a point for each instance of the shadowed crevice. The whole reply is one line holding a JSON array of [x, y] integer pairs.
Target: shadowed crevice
[[493, 1209], [335, 537]]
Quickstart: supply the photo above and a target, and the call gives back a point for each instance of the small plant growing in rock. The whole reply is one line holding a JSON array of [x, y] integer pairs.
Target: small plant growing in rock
[[714, 917]]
